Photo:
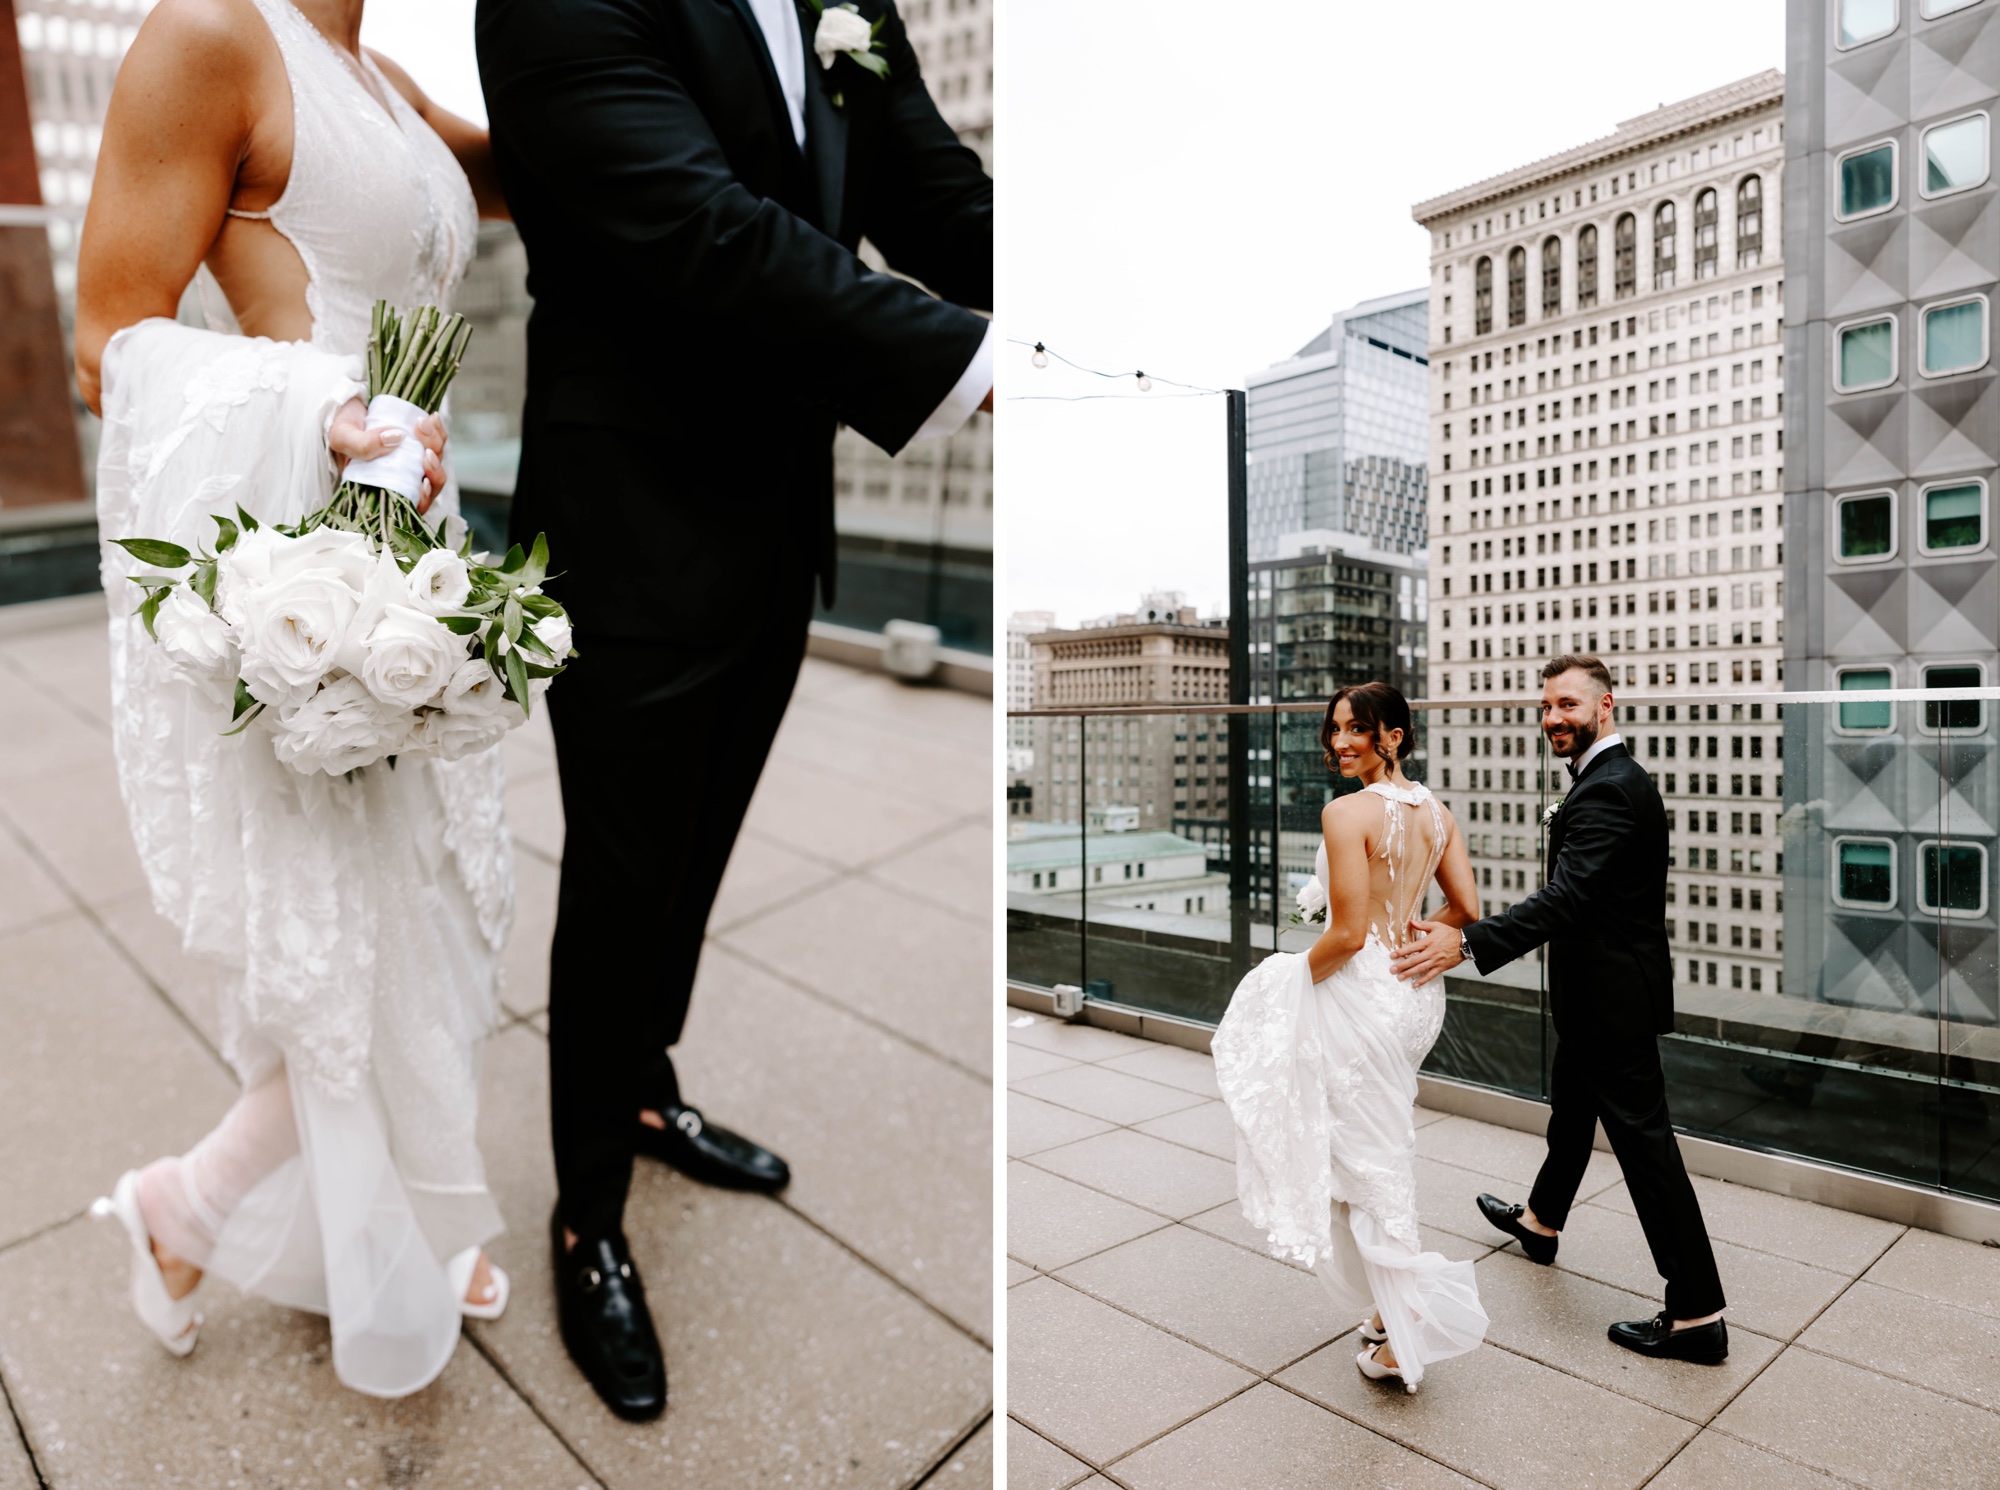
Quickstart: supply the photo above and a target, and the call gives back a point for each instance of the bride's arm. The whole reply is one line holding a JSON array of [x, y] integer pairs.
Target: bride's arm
[[1455, 878], [1342, 823], [470, 145], [176, 128]]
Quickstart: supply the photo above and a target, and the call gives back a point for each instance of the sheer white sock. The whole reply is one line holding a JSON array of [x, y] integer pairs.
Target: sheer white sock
[[187, 1200]]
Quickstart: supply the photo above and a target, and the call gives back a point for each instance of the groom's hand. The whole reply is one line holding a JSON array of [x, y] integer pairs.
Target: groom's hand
[[348, 438], [1432, 951]]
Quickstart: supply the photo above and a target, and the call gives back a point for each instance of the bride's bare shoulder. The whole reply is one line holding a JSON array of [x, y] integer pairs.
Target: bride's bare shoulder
[[209, 47]]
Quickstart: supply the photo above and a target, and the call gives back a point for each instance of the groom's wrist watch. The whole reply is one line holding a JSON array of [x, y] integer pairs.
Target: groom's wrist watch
[[1465, 947]]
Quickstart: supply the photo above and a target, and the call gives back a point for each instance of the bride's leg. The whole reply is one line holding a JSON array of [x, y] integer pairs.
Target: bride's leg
[[186, 1201]]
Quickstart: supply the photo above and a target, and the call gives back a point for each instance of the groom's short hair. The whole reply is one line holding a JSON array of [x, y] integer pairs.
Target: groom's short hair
[[1581, 662]]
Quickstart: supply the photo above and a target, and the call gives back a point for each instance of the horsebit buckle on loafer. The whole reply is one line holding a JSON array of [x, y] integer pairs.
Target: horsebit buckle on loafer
[[689, 1122], [592, 1279]]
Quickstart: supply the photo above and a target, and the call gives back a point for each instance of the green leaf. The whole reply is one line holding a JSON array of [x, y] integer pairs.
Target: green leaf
[[249, 523], [154, 551], [228, 531], [461, 625], [245, 700], [493, 646], [252, 714], [203, 582], [149, 609], [511, 618], [873, 61], [517, 680], [514, 560], [532, 643], [540, 606]]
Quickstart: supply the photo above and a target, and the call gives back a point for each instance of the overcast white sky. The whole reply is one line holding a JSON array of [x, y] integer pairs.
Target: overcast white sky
[[1195, 188], [432, 39]]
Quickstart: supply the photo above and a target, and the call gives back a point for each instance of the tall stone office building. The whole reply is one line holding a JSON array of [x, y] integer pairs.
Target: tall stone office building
[[1607, 476], [1892, 581]]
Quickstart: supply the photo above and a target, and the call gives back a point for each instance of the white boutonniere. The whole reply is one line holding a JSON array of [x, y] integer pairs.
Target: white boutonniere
[[844, 32], [1549, 812]]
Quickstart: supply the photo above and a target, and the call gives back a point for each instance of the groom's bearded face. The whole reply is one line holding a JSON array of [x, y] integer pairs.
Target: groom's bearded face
[[1572, 709]]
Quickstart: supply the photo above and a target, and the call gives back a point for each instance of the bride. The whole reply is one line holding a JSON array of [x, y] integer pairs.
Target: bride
[[252, 146], [1317, 1055]]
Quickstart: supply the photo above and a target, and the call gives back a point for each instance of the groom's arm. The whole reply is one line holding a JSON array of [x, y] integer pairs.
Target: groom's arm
[[1602, 822], [585, 99]]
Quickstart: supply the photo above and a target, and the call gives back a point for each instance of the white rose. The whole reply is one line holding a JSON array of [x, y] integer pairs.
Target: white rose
[[197, 644], [264, 556], [440, 583], [409, 657], [339, 729], [472, 715], [554, 633], [841, 30], [291, 633], [1311, 900]]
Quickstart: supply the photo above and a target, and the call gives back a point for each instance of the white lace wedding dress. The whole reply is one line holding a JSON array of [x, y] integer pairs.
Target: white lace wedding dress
[[1321, 1080], [358, 922]]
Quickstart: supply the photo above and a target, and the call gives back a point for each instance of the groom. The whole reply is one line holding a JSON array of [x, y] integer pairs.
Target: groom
[[1611, 995], [691, 179]]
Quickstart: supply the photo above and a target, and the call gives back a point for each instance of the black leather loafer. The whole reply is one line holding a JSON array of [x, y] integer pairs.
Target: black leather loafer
[[1703, 1344], [703, 1151], [606, 1327], [1504, 1217]]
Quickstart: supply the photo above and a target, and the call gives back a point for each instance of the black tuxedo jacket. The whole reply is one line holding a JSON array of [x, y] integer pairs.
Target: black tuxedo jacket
[[1602, 909], [701, 320]]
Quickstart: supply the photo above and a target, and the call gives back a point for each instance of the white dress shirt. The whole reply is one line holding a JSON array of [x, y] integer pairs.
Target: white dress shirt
[[1604, 743], [779, 21]]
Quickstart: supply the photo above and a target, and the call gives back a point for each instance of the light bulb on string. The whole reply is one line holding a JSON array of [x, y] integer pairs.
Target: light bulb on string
[[1145, 383], [1041, 357]]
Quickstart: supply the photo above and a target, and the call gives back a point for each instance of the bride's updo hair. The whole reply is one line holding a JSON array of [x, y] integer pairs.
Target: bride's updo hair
[[1376, 707]]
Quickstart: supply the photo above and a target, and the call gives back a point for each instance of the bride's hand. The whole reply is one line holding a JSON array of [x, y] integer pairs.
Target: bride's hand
[[1433, 949], [348, 438]]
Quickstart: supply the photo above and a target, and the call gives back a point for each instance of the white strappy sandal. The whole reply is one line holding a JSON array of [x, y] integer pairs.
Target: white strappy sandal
[[175, 1321], [459, 1272], [1374, 1370], [1372, 1335]]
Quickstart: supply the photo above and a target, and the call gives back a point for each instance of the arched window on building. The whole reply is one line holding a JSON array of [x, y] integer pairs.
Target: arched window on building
[[1517, 286], [1586, 266], [1750, 222], [1552, 277], [1663, 246], [1705, 234], [1625, 257], [1482, 297]]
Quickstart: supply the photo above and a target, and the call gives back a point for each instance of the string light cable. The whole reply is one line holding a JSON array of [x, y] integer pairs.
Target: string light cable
[[1144, 381]]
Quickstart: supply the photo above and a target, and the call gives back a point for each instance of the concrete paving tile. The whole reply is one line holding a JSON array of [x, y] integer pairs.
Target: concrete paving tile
[[1839, 1240], [1171, 1066], [193, 982], [762, 877], [1018, 1272], [1863, 1427], [1447, 1199], [1208, 1128], [1712, 1460], [1950, 1350], [1052, 1222], [1425, 1116], [956, 776], [40, 736], [27, 894], [1024, 1061], [891, 1148], [1145, 1171], [1226, 1221], [926, 711], [1107, 1094], [256, 1404], [74, 661], [17, 1470], [1097, 1382], [1076, 1042], [96, 1074], [954, 870], [531, 746], [833, 817], [1270, 1438], [1257, 1312], [524, 964], [1772, 1295], [971, 1463], [534, 813], [77, 821], [785, 1353], [1944, 1268], [1502, 1419], [1033, 1463], [821, 679], [888, 958], [1515, 1156], [1559, 1319], [1033, 1125]]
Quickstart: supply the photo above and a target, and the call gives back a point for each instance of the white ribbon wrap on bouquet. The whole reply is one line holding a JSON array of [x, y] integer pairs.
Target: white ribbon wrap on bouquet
[[401, 469]]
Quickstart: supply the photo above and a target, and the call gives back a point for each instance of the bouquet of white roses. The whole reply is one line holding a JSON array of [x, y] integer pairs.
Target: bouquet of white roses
[[357, 634]]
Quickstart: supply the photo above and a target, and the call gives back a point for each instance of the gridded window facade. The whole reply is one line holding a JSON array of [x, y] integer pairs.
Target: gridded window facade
[[1707, 232], [1517, 286], [1586, 267], [1750, 222], [1663, 246], [1625, 247], [1482, 298], [1552, 277]]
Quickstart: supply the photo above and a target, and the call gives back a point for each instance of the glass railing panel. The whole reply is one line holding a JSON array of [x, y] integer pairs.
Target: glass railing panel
[[1490, 765], [1046, 897], [1805, 975], [1955, 877]]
